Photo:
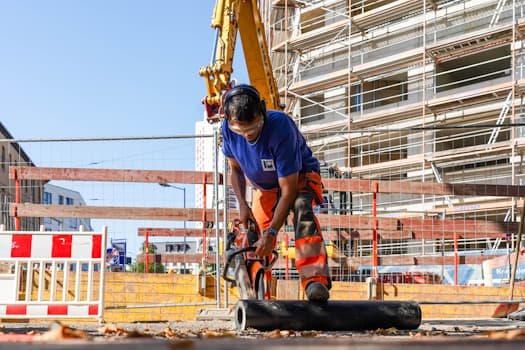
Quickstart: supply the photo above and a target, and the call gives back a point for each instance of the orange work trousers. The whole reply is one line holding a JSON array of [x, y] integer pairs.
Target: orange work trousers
[[310, 253]]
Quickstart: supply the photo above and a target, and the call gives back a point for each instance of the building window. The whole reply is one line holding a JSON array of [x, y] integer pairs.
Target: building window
[[69, 201], [48, 198], [177, 248], [475, 68], [60, 199], [3, 157]]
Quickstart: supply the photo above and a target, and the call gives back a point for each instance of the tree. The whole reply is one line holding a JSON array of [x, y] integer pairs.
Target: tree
[[152, 267], [152, 248]]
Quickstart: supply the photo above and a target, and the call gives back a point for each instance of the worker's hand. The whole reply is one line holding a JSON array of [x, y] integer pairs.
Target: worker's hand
[[265, 244]]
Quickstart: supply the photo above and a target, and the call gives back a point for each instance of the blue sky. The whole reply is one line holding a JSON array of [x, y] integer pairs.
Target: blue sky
[[98, 68], [103, 68]]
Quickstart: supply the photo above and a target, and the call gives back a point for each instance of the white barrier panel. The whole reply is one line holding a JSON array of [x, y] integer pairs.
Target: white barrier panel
[[52, 274]]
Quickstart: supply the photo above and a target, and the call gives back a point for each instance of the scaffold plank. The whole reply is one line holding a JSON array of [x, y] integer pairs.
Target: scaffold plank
[[330, 235], [113, 175], [396, 260], [97, 212], [180, 258], [457, 46], [171, 232], [407, 187], [437, 226], [475, 96]]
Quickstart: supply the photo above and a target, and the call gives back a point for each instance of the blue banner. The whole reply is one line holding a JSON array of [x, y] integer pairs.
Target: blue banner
[[120, 246]]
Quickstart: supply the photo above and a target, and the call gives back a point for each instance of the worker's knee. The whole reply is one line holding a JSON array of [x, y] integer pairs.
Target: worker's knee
[[306, 228], [302, 205]]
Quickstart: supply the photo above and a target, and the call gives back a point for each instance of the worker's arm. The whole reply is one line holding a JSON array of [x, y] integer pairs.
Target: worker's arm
[[288, 186], [238, 182]]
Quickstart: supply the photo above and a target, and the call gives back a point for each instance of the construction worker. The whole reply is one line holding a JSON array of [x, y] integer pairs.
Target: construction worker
[[267, 149]]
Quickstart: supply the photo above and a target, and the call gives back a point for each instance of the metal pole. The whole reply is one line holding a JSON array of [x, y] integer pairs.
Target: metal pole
[[184, 204], [517, 253], [286, 246], [456, 259], [225, 221], [374, 232], [216, 205], [17, 198], [146, 253], [183, 189]]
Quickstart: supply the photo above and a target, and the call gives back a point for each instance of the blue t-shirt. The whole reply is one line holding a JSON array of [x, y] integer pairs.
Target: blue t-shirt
[[280, 151]]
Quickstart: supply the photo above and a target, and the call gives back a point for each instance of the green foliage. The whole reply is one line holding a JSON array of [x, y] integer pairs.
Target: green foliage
[[152, 267], [152, 248]]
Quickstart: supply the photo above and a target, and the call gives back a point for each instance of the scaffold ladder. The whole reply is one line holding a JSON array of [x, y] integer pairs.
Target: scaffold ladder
[[439, 179], [495, 17], [503, 113]]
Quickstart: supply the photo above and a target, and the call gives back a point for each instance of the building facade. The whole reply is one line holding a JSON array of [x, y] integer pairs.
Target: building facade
[[63, 196], [411, 90], [12, 154]]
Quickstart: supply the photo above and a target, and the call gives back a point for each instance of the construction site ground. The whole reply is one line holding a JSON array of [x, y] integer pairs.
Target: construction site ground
[[432, 334]]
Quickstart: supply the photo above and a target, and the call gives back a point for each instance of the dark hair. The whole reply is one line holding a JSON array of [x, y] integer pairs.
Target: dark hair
[[242, 103]]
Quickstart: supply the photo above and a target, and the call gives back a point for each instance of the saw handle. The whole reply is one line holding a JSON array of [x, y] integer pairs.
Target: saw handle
[[231, 255]]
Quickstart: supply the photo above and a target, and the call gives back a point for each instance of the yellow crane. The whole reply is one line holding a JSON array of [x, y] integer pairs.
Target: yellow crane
[[229, 18]]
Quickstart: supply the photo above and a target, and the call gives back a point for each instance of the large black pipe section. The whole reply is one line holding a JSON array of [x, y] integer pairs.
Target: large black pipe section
[[266, 315]]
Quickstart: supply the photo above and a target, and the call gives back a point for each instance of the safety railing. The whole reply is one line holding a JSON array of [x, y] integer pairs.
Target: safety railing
[[52, 274]]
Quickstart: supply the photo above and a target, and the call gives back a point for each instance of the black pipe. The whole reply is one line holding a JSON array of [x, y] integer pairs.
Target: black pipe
[[300, 315]]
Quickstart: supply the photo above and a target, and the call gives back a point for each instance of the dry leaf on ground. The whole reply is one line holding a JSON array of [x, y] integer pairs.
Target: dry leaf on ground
[[277, 333], [387, 331], [60, 332], [215, 334], [112, 329], [168, 332], [309, 334]]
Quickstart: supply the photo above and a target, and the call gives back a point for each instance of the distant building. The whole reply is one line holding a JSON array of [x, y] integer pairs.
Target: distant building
[[11, 154], [62, 196]]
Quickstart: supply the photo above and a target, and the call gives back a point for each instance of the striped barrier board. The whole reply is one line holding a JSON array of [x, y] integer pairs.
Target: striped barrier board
[[52, 274]]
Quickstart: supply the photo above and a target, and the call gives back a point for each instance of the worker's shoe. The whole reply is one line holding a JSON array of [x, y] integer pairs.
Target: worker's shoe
[[316, 291]]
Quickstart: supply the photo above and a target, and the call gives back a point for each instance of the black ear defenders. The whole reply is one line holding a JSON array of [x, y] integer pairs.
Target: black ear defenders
[[244, 89]]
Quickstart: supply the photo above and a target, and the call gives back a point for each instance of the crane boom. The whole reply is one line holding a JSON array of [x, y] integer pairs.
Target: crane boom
[[230, 17]]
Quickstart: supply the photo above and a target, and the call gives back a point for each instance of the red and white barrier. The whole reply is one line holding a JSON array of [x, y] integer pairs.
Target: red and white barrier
[[52, 274]]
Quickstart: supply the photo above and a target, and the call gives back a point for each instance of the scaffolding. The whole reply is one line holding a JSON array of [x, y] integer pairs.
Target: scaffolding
[[408, 90]]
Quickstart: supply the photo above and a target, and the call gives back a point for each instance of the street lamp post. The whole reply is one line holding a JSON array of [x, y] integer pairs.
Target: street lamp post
[[183, 189]]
